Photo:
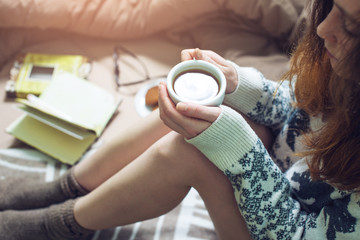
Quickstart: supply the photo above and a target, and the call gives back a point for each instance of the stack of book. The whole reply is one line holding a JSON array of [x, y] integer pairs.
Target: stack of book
[[66, 119]]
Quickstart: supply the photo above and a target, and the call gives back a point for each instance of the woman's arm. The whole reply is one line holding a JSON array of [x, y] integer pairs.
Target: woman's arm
[[265, 195], [262, 100]]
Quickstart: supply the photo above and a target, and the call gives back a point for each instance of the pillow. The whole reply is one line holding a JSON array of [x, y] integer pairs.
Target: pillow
[[276, 17], [103, 18], [124, 19]]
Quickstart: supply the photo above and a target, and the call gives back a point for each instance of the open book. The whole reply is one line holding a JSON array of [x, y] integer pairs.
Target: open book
[[66, 119]]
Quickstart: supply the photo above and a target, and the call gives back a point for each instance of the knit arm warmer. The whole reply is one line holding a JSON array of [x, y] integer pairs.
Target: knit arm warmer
[[255, 96], [229, 136]]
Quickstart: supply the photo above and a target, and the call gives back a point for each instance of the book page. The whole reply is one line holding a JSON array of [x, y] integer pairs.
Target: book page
[[50, 140], [63, 126], [77, 101]]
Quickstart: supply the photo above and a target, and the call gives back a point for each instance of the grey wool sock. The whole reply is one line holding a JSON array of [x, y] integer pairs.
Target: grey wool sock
[[20, 194], [55, 222]]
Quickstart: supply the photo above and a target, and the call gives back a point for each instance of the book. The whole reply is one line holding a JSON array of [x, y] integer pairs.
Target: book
[[66, 119], [32, 73]]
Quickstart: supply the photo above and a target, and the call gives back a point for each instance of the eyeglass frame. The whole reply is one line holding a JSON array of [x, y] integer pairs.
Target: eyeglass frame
[[117, 71]]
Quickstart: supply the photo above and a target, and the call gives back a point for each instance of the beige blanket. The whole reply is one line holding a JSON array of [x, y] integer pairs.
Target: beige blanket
[[135, 18], [251, 33], [23, 22]]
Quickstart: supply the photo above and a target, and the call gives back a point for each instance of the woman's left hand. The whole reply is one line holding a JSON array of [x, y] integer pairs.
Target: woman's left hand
[[188, 119]]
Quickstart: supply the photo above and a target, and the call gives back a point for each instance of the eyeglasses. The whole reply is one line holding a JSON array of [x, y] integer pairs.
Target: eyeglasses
[[115, 56]]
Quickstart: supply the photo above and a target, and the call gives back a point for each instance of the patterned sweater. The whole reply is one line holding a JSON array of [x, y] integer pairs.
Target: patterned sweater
[[274, 191]]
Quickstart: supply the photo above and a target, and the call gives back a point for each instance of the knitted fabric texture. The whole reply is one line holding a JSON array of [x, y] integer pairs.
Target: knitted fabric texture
[[274, 190]]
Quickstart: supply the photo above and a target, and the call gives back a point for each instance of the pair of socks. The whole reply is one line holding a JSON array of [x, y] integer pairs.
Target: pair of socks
[[20, 194], [56, 222], [39, 211]]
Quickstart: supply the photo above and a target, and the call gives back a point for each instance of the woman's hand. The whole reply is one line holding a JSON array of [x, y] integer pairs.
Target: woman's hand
[[188, 119], [191, 119], [212, 57]]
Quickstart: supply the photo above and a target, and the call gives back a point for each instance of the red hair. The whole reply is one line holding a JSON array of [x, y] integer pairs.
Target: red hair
[[334, 150]]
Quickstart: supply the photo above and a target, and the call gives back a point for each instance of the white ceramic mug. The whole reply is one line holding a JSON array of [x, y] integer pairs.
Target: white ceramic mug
[[196, 81]]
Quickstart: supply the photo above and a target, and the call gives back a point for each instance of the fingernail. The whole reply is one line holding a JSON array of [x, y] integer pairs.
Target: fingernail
[[182, 107]]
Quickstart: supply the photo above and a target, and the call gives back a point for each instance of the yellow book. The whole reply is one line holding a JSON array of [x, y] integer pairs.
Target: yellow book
[[32, 73], [66, 119]]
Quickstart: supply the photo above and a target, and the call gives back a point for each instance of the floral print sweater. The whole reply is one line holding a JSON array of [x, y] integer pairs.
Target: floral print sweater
[[274, 190]]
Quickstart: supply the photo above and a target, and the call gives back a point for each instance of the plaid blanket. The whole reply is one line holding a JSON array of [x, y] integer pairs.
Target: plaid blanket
[[188, 221]]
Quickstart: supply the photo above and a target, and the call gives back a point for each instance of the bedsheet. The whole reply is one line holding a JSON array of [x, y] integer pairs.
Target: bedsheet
[[253, 33]]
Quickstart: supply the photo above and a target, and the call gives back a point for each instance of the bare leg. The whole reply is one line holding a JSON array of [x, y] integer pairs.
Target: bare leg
[[152, 184], [112, 157], [156, 182]]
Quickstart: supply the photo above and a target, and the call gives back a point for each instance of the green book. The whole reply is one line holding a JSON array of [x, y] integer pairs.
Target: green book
[[70, 114]]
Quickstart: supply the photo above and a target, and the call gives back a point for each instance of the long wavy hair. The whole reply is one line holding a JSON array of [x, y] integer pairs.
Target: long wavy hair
[[333, 151]]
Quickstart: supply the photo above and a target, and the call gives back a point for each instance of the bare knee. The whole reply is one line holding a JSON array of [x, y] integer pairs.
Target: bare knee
[[168, 147], [175, 153]]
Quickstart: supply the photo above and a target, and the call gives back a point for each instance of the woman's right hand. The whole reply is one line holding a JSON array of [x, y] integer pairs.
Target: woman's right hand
[[188, 119], [227, 68]]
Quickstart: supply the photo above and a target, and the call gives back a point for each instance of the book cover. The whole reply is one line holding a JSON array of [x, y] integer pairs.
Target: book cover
[[32, 73], [66, 119]]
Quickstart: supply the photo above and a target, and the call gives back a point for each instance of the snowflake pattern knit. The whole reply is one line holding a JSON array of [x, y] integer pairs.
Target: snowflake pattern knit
[[274, 190]]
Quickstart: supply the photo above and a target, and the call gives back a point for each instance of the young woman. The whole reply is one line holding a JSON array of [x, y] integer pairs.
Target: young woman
[[305, 186]]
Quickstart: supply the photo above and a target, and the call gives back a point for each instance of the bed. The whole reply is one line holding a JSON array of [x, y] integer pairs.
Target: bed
[[253, 33]]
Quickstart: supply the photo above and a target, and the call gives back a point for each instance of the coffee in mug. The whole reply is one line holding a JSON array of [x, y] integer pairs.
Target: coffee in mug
[[196, 85], [196, 81]]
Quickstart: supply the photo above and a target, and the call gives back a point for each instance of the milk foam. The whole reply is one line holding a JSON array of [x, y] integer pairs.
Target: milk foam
[[196, 86]]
